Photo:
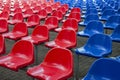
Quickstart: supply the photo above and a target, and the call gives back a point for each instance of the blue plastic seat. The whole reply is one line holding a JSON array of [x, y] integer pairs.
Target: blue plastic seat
[[104, 69], [90, 11], [93, 27], [112, 22], [98, 45], [106, 14], [89, 18], [115, 36]]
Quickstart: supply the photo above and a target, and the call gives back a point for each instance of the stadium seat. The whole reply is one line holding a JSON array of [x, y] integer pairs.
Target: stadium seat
[[98, 45], [63, 40], [115, 36], [62, 9], [76, 16], [57, 14], [3, 26], [51, 22], [20, 30], [17, 10], [104, 69], [27, 13], [48, 9], [33, 21], [36, 9], [106, 14], [4, 15], [90, 11], [17, 18], [93, 27], [69, 24], [42, 14], [40, 34], [75, 10], [57, 65], [112, 22], [21, 55], [89, 18], [2, 45]]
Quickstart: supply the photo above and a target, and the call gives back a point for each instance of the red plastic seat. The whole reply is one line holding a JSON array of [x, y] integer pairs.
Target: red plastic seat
[[51, 22], [76, 16], [21, 55], [36, 9], [27, 13], [58, 14], [33, 21], [62, 9], [48, 9], [2, 45], [66, 6], [17, 10], [43, 6], [4, 15], [17, 18], [6, 8], [40, 34], [69, 24], [66, 39], [3, 26], [75, 10], [57, 65], [42, 14], [19, 31]]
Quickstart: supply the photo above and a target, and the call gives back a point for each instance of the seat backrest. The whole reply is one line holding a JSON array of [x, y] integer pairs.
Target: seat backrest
[[18, 16], [20, 27], [108, 12], [28, 11], [57, 14], [62, 9], [91, 11], [2, 45], [76, 16], [70, 23], [41, 30], [94, 26], [23, 49], [100, 40], [37, 8], [18, 10], [42, 12], [48, 9], [113, 19], [63, 35], [60, 56], [91, 17], [5, 26], [106, 7], [4, 14], [51, 20], [116, 32], [66, 6], [105, 69], [34, 18], [76, 10]]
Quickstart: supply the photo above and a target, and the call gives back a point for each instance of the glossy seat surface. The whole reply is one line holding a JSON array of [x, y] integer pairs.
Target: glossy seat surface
[[104, 69], [20, 30], [55, 66], [98, 45], [21, 55], [40, 34], [63, 40]]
